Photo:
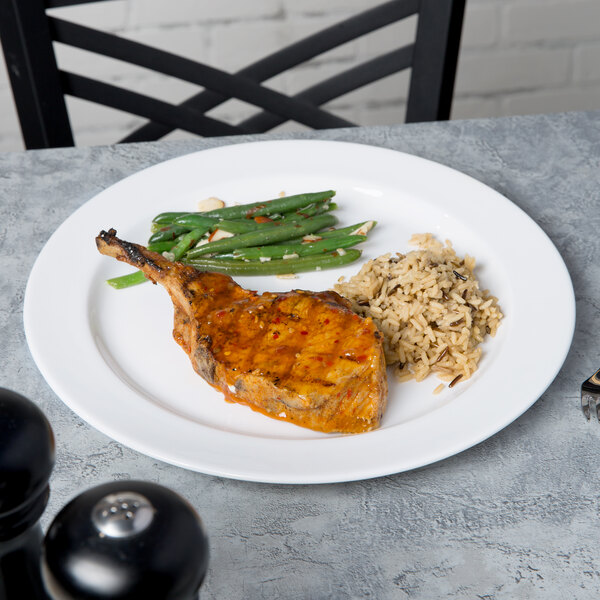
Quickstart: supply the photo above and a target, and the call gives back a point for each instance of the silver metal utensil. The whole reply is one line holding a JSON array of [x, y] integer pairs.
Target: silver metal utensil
[[590, 396]]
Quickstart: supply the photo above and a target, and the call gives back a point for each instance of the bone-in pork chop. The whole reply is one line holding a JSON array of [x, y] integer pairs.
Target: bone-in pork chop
[[299, 356]]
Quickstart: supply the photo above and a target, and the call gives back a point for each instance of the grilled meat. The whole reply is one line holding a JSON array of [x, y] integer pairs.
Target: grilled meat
[[299, 356]]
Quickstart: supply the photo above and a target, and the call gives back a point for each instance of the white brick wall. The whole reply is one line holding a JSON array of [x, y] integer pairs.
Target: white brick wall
[[517, 57]]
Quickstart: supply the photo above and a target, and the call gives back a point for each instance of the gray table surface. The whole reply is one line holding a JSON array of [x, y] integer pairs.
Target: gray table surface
[[517, 516]]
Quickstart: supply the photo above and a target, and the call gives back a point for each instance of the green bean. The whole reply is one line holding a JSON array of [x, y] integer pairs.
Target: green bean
[[161, 247], [245, 225], [315, 204], [236, 226], [279, 251], [242, 225], [275, 206], [194, 220], [170, 232], [128, 280], [187, 241], [310, 211], [276, 245], [167, 217], [264, 236], [277, 266], [350, 230], [291, 217], [269, 207]]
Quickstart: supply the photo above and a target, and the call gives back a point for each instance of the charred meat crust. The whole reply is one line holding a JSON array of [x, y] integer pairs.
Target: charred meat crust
[[205, 364], [133, 254]]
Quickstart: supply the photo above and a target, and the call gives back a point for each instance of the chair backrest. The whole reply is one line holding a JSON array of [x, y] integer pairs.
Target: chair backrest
[[39, 87]]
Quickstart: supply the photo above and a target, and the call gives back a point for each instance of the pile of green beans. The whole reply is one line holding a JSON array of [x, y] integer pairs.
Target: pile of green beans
[[268, 238]]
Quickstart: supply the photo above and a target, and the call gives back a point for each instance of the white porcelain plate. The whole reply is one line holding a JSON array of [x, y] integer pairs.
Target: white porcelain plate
[[110, 356]]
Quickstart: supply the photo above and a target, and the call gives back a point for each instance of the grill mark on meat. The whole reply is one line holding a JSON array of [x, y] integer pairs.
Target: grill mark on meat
[[321, 382], [350, 358]]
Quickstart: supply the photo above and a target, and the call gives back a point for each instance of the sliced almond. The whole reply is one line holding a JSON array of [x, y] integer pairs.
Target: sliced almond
[[219, 234], [211, 203], [364, 229], [341, 251], [286, 256], [264, 258], [311, 238]]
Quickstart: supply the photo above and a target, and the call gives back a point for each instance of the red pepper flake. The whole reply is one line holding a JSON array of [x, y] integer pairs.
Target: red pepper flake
[[349, 393], [361, 358], [329, 363], [336, 341], [276, 320], [326, 321], [275, 336], [221, 313], [304, 332], [319, 358]]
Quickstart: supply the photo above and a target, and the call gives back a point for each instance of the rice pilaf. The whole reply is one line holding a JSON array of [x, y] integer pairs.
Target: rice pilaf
[[429, 307]]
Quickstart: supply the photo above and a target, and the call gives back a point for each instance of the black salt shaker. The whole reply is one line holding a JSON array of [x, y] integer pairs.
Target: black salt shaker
[[125, 540]]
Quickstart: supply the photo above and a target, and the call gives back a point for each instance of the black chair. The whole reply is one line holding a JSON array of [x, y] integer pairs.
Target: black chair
[[39, 86]]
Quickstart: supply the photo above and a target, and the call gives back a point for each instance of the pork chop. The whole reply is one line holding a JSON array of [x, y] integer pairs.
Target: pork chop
[[299, 356]]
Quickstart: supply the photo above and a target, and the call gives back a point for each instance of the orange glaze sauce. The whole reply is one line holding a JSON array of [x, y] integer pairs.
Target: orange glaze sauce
[[271, 339]]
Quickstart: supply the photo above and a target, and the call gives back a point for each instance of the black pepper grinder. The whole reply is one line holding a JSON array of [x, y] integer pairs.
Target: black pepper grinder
[[125, 540], [26, 462]]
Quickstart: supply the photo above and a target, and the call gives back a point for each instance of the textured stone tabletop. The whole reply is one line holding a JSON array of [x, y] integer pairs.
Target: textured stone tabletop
[[517, 516]]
